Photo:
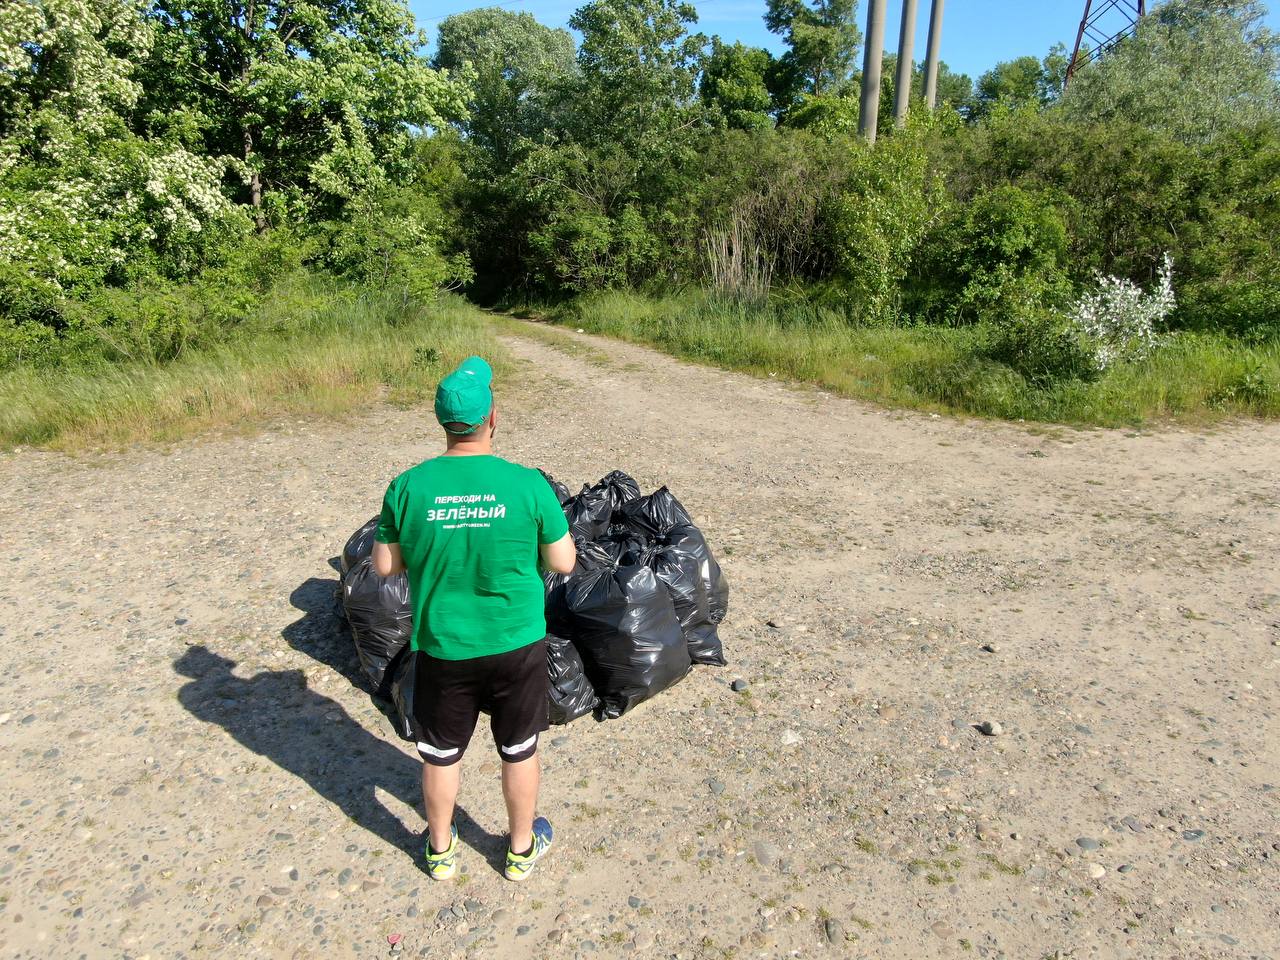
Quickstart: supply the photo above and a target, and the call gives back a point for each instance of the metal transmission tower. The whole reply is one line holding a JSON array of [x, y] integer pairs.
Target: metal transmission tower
[[1104, 24]]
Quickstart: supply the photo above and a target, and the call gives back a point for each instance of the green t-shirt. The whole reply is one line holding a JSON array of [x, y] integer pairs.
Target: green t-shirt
[[469, 529]]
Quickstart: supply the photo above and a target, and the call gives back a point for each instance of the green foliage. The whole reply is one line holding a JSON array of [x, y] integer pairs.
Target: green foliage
[[1194, 377], [584, 250], [1037, 342], [1196, 70], [152, 318], [1020, 82], [735, 84], [822, 39], [395, 239], [309, 346], [1130, 194], [315, 99], [517, 65], [955, 90], [888, 202], [1001, 255], [638, 69], [761, 209]]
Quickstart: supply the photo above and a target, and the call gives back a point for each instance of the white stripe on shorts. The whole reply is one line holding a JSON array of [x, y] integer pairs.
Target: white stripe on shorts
[[510, 751], [428, 750]]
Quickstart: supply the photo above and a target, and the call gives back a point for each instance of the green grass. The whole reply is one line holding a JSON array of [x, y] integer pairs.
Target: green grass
[[324, 351], [1193, 377]]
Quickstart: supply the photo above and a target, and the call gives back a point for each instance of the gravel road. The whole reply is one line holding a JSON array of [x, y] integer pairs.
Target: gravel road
[[1010, 692]]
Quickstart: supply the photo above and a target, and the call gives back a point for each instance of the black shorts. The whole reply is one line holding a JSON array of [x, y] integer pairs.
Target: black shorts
[[511, 687]]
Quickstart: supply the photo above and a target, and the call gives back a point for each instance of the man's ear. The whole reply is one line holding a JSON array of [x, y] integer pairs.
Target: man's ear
[[493, 420]]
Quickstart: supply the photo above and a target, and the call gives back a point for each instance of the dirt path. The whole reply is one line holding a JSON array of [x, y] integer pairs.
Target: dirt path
[[190, 774]]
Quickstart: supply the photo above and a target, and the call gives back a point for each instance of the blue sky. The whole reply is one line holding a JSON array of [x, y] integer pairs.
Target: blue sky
[[976, 34]]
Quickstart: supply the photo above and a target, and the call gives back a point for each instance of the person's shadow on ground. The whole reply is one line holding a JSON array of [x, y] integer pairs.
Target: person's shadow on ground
[[312, 736]]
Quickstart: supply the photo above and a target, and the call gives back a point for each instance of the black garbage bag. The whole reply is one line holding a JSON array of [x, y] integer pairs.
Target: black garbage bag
[[654, 515], [381, 619], [591, 556], [402, 691], [359, 546], [683, 562], [572, 695], [620, 487], [560, 490], [623, 623], [589, 513]]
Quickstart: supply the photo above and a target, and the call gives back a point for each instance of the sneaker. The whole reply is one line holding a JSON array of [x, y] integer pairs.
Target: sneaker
[[442, 866], [520, 867]]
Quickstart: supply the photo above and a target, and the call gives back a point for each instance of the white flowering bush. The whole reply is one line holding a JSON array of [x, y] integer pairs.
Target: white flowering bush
[[1118, 320]]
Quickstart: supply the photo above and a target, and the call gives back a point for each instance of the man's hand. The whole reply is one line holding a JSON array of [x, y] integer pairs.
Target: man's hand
[[559, 557], [387, 559]]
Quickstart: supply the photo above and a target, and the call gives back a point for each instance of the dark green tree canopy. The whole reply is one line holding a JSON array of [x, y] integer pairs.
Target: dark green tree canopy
[[638, 67], [735, 82], [516, 64], [1015, 83], [823, 40]]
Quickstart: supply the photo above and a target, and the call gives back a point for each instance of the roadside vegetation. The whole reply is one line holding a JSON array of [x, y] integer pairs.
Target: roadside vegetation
[[313, 348], [1192, 377], [207, 219]]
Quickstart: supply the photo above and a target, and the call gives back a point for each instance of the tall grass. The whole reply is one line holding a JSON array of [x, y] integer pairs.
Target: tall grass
[[1192, 377], [326, 350]]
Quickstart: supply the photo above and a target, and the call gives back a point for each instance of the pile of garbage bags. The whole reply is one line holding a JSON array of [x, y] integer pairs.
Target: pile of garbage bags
[[642, 605]]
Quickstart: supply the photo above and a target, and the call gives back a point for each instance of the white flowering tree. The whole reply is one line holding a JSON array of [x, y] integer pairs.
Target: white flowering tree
[[317, 99], [83, 198], [136, 136]]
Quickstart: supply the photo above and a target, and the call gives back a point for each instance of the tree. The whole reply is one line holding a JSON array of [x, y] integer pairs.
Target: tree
[[638, 65], [517, 62], [735, 83], [823, 41], [315, 97], [83, 200], [1199, 69], [1011, 83]]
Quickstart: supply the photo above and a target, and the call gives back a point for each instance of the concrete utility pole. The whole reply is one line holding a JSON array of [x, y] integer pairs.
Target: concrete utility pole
[[906, 50], [931, 56], [869, 111]]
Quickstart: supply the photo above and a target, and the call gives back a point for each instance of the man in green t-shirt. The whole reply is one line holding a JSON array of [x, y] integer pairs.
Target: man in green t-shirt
[[470, 530]]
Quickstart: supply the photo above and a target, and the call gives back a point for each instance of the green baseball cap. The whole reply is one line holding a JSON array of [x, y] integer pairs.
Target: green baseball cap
[[465, 396]]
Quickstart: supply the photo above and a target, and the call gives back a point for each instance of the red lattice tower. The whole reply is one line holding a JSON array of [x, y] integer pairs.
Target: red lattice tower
[[1103, 25]]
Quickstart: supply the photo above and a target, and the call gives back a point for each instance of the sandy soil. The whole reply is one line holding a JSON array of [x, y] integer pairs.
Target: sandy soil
[[191, 772]]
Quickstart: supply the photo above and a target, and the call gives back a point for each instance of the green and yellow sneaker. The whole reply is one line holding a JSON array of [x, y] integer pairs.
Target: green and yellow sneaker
[[519, 867], [442, 866]]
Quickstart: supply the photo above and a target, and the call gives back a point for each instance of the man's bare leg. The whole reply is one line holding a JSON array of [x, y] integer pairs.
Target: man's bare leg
[[440, 792], [520, 790]]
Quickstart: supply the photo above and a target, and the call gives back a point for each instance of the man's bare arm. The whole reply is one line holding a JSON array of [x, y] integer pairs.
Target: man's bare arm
[[559, 557], [387, 559]]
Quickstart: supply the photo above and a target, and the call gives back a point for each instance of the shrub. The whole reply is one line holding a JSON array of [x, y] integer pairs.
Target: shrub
[[884, 210], [1036, 341], [1004, 250], [1118, 320]]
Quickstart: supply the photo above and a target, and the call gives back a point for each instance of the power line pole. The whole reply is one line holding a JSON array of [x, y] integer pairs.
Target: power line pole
[[931, 55], [906, 51], [869, 110]]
